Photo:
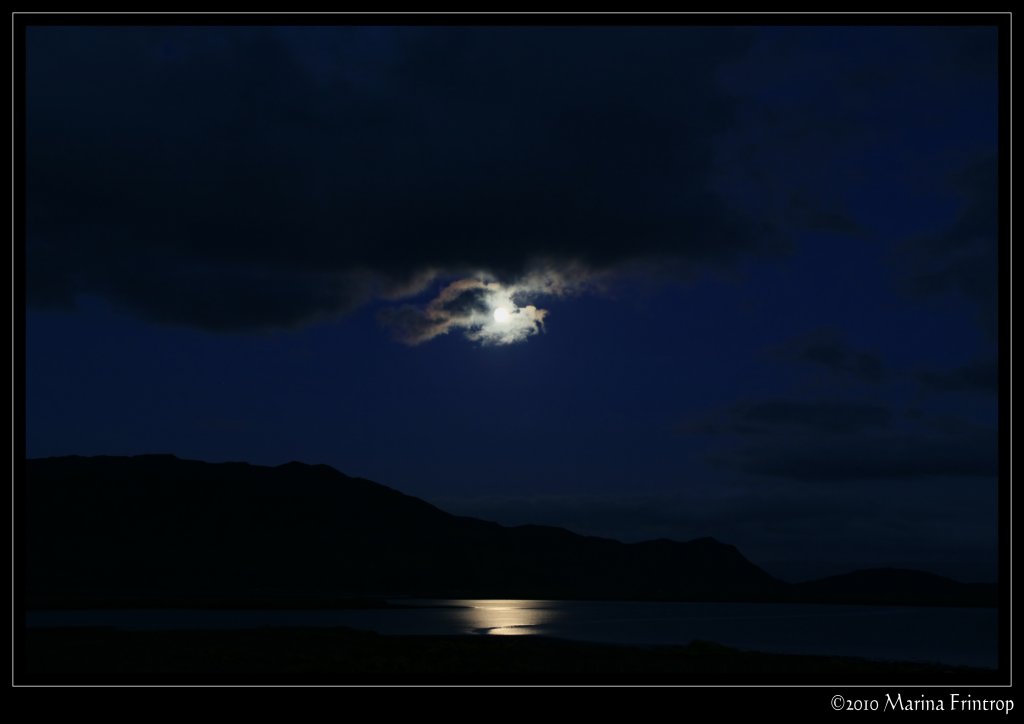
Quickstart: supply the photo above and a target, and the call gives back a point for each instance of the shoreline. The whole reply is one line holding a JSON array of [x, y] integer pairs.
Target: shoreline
[[341, 655]]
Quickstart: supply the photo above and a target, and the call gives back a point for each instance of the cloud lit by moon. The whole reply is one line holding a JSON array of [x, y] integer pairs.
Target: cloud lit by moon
[[488, 312]]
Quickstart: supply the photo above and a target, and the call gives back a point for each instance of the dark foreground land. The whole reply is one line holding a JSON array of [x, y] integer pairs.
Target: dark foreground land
[[345, 656]]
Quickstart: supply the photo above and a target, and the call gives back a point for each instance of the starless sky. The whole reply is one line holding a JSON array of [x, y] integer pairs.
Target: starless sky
[[749, 275]]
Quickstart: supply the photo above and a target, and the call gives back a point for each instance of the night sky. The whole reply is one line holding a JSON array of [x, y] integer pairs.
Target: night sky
[[749, 275]]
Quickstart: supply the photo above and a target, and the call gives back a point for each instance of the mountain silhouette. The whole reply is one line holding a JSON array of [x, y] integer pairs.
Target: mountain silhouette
[[158, 530]]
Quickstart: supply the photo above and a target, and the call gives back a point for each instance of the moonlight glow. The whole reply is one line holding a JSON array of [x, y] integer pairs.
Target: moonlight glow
[[484, 311]]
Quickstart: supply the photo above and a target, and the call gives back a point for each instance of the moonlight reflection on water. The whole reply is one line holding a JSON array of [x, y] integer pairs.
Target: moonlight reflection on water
[[509, 617]]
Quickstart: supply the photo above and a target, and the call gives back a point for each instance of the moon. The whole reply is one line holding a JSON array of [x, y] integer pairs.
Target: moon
[[501, 315]]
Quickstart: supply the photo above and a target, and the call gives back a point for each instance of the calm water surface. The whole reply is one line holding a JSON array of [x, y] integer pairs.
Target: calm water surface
[[959, 636]]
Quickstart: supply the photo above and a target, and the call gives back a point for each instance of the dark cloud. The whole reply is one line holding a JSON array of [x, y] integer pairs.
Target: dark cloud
[[235, 178], [827, 349], [895, 456], [963, 259], [978, 376], [835, 441], [835, 116], [825, 416], [783, 417]]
